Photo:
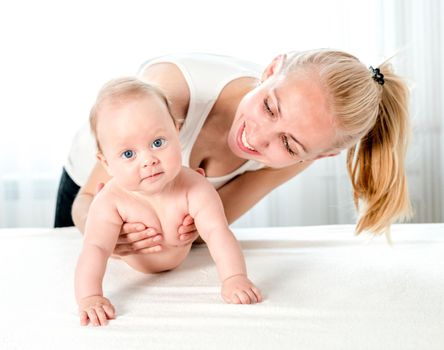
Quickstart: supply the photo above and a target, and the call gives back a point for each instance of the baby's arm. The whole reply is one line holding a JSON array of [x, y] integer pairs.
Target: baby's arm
[[206, 208], [101, 232]]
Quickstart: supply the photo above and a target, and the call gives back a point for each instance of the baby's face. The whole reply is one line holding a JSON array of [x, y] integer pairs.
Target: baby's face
[[140, 143]]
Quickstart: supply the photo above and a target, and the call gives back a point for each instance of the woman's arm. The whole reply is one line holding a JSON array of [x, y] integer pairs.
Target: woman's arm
[[243, 192], [81, 204], [169, 78]]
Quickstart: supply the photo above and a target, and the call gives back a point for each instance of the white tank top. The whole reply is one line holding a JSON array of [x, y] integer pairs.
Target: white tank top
[[206, 76]]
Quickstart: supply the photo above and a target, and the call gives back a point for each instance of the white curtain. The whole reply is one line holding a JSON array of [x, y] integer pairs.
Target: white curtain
[[420, 33], [55, 55]]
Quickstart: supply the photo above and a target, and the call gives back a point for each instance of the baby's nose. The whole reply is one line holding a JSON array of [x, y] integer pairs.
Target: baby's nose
[[150, 161]]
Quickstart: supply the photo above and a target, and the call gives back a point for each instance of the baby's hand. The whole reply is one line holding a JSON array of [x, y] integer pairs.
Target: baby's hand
[[96, 309], [238, 289]]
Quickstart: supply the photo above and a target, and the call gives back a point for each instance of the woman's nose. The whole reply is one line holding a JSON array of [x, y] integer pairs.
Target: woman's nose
[[260, 134]]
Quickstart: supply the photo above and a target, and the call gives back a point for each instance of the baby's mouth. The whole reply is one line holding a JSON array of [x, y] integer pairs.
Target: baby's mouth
[[153, 175]]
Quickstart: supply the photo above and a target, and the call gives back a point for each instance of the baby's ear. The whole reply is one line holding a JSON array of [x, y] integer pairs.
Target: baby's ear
[[101, 158]]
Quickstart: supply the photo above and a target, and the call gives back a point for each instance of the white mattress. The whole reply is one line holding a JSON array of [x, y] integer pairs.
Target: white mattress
[[324, 288]]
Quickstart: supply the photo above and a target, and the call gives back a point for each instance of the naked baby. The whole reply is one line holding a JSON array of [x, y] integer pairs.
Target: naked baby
[[138, 145]]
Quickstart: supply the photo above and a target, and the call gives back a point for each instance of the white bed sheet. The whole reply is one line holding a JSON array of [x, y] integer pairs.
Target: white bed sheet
[[324, 288]]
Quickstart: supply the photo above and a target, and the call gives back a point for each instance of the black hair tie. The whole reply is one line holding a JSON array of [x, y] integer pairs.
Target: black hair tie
[[377, 75]]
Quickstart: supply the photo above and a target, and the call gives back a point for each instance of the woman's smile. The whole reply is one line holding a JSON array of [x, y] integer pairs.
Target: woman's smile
[[243, 142]]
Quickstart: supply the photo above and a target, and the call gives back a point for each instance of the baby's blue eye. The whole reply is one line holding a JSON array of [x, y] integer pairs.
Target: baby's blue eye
[[157, 143], [128, 154]]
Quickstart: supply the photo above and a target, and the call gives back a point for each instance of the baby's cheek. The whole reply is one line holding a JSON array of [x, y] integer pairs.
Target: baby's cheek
[[129, 181]]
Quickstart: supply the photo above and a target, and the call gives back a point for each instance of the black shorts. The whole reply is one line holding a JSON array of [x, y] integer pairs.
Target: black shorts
[[65, 197]]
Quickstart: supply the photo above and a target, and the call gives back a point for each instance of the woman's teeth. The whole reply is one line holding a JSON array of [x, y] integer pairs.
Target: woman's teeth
[[245, 142]]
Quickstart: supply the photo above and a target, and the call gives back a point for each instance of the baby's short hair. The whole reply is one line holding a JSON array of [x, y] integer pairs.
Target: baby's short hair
[[120, 89]]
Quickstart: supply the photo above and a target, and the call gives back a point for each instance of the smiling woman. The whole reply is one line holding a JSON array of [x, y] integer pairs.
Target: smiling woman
[[256, 129], [68, 80], [283, 121]]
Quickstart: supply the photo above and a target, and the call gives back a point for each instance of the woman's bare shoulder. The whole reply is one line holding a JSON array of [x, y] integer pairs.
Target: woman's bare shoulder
[[169, 78]]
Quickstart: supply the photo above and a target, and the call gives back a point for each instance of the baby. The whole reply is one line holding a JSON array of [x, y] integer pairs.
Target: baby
[[138, 145]]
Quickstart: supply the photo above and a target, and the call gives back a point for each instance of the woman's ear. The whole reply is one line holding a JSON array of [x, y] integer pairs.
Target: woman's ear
[[274, 67], [101, 158], [326, 155]]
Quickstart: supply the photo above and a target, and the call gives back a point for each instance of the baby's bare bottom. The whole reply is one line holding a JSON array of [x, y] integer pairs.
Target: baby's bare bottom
[[167, 259]]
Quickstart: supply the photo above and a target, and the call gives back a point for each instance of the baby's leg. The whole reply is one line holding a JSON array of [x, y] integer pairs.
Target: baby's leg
[[167, 259]]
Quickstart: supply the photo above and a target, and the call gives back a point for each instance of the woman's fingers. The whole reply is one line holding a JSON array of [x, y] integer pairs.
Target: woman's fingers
[[187, 228], [187, 231], [145, 245], [140, 248], [154, 249], [138, 236], [188, 220], [130, 227]]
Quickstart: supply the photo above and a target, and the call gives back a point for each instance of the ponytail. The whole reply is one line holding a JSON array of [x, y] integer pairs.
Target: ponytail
[[376, 163], [370, 106]]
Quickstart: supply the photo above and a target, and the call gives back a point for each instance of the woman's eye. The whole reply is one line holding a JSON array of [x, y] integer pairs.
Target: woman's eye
[[287, 146], [267, 108], [157, 143], [128, 154]]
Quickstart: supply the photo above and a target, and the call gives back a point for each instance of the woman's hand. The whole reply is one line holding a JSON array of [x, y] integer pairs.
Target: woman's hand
[[187, 231], [135, 237]]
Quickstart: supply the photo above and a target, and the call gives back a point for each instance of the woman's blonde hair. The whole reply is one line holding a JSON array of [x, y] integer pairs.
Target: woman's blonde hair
[[373, 123], [119, 90]]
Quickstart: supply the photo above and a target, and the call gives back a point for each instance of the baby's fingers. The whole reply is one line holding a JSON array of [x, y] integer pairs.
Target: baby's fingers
[[84, 318], [251, 296], [110, 311], [257, 293], [243, 297], [93, 317], [101, 315], [234, 299]]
